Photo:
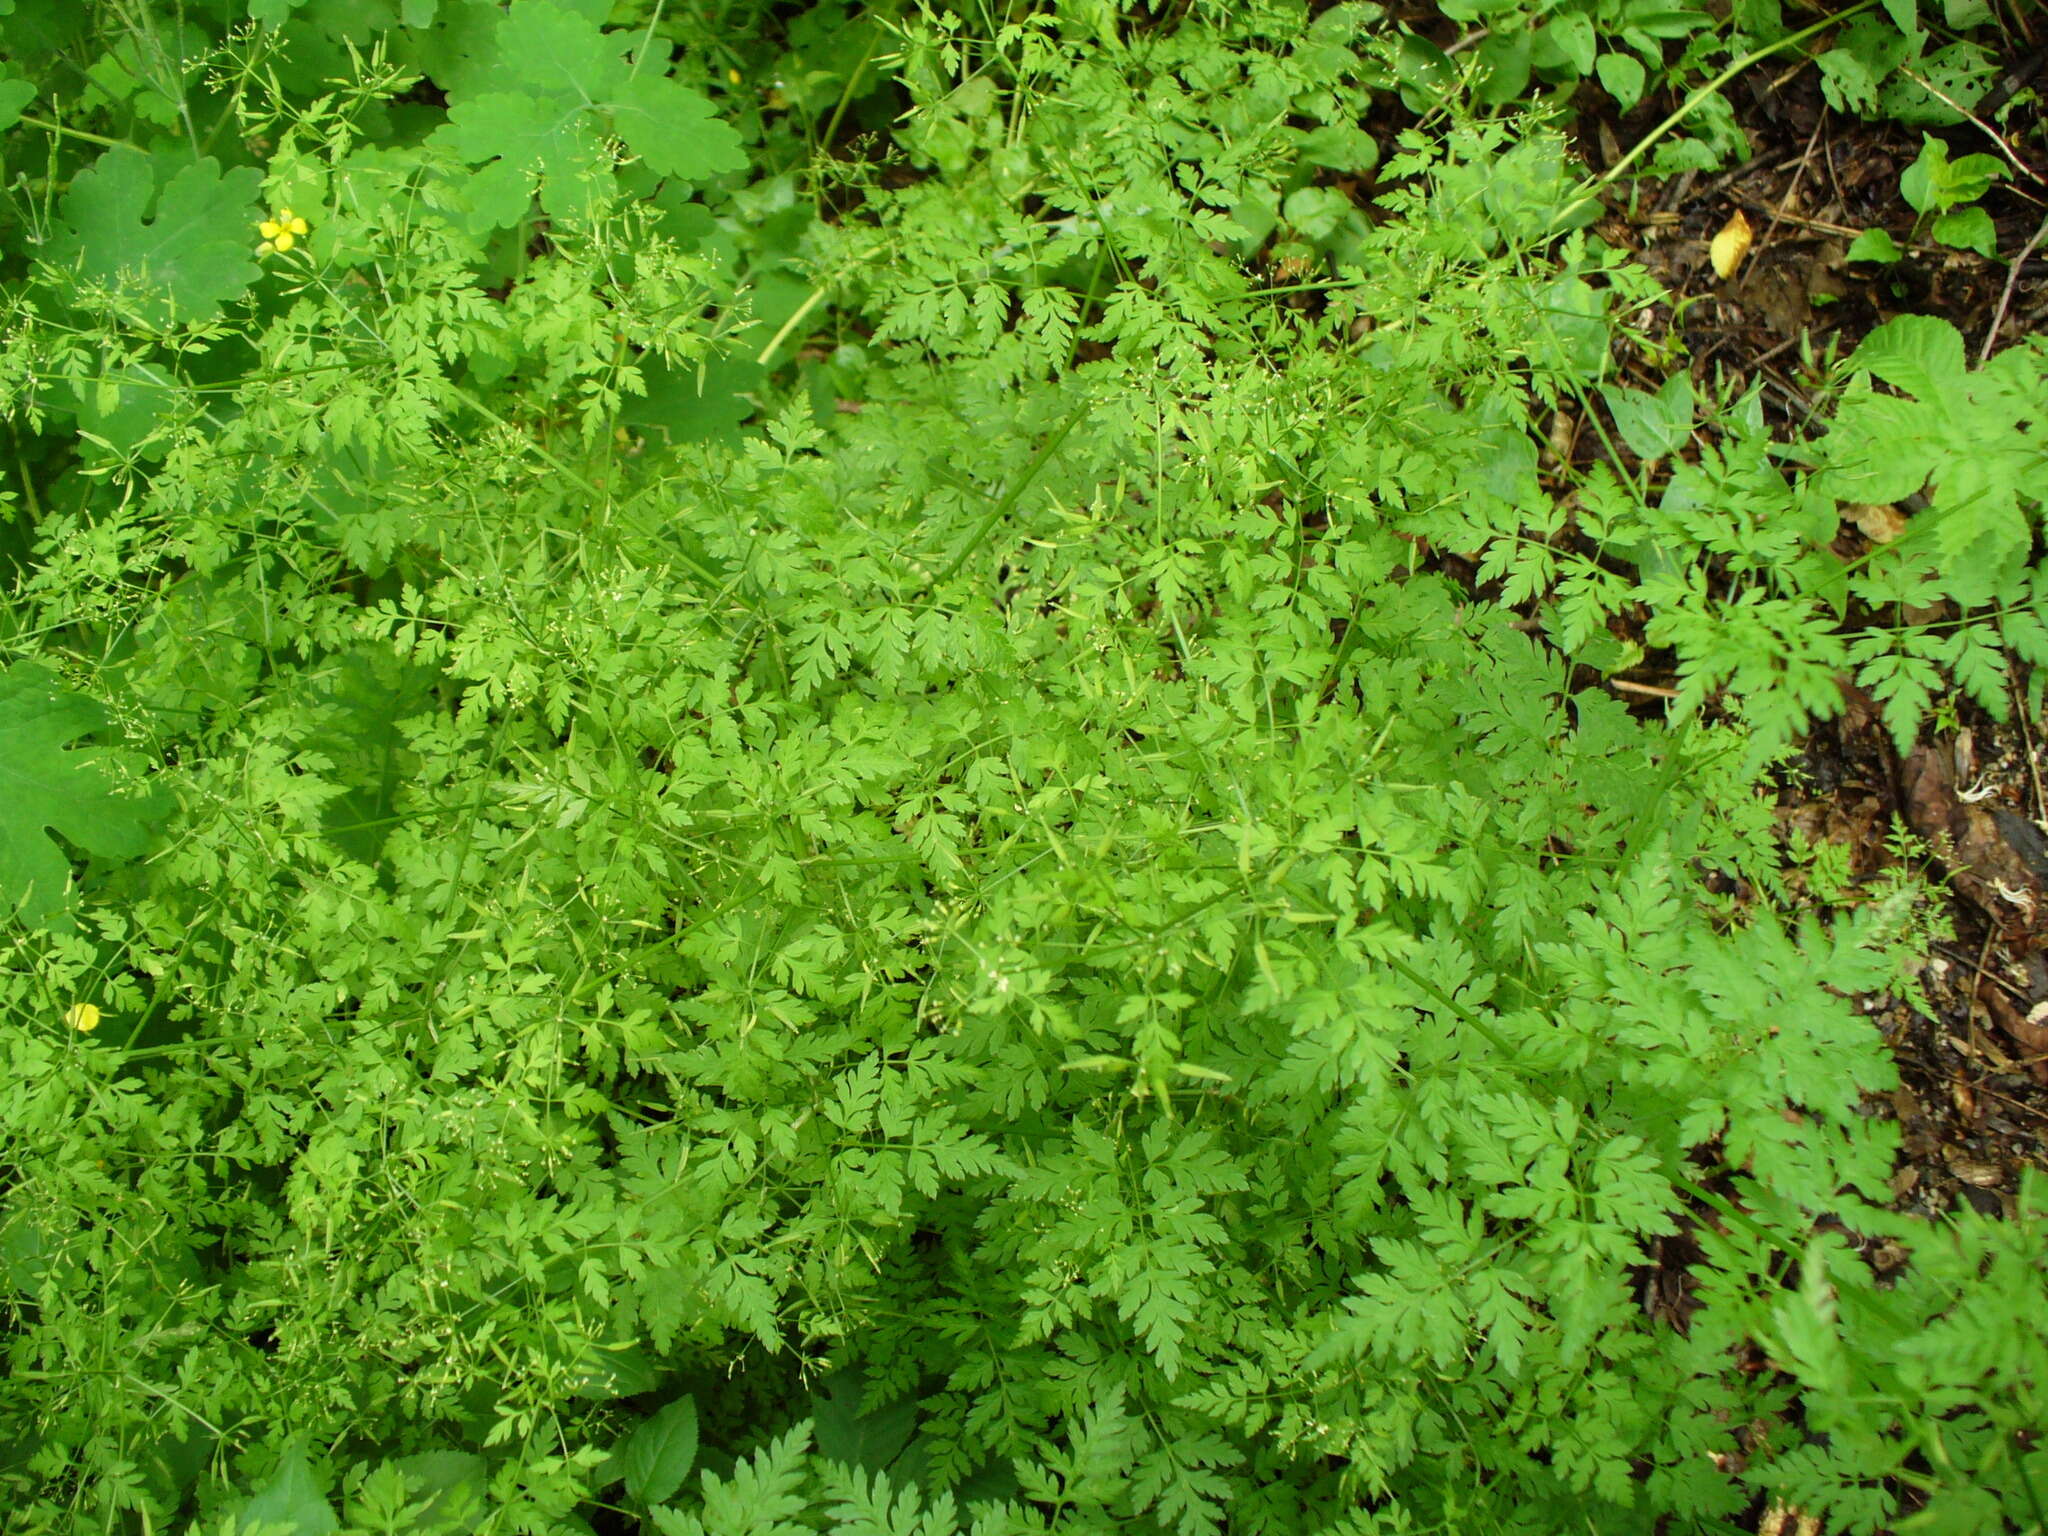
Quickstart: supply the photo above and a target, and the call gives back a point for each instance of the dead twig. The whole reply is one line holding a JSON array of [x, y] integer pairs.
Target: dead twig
[[1980, 973], [1792, 187], [1985, 128], [1824, 227], [2026, 729], [2012, 279], [1648, 688]]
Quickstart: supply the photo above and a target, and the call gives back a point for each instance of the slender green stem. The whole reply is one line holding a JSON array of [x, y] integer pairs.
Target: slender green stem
[[77, 133], [1011, 497], [647, 37], [699, 567], [28, 484], [1325, 285], [1487, 1032], [846, 95], [1732, 1215], [528, 442], [815, 298]]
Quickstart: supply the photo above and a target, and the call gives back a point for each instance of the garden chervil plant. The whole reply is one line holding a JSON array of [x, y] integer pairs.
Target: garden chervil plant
[[996, 951]]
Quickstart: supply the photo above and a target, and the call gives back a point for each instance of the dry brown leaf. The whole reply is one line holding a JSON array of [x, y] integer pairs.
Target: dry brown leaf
[[1983, 1175], [1787, 1519], [1876, 522]]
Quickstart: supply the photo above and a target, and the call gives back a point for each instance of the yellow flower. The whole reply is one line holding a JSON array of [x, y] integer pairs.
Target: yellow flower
[[82, 1017], [281, 233], [732, 77]]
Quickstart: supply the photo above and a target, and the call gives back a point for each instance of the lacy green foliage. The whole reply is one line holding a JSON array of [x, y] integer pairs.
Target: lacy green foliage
[[1919, 1381], [993, 954], [1735, 557]]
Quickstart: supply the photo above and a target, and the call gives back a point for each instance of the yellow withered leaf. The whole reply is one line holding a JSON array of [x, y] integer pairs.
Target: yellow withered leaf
[[1879, 524], [1731, 245]]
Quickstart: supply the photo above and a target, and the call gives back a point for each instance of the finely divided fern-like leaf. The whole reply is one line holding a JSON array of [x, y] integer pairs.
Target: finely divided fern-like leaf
[[864, 1506], [762, 1497]]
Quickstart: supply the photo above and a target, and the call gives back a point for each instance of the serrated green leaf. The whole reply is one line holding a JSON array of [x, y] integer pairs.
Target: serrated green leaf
[[675, 130], [759, 1498], [1905, 685], [2027, 635], [542, 105], [871, 1508], [1967, 229], [1979, 665], [45, 789], [522, 141], [1920, 354], [659, 1454], [291, 1502], [548, 49], [1653, 425]]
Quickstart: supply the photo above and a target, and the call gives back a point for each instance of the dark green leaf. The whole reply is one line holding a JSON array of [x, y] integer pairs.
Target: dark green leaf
[[290, 1504], [658, 1455], [45, 789], [1653, 425], [845, 1434], [451, 1484], [15, 95], [1622, 77], [169, 257]]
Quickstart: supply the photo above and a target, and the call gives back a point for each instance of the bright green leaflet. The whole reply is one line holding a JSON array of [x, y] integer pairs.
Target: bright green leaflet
[[995, 936]]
